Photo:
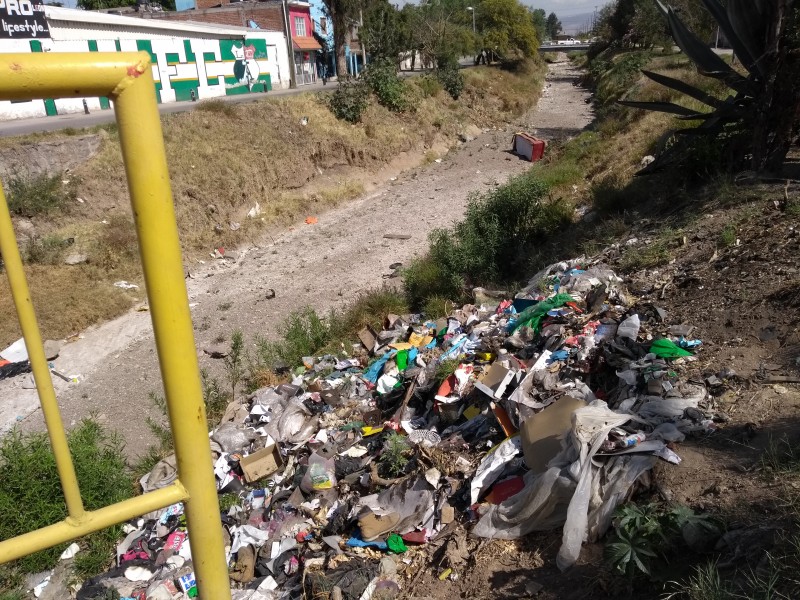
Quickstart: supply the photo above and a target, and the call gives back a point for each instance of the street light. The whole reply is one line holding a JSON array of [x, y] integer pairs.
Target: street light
[[472, 10]]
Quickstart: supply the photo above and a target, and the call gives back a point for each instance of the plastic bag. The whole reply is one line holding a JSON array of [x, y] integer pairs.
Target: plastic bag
[[629, 328], [320, 475], [233, 437], [295, 424], [492, 466]]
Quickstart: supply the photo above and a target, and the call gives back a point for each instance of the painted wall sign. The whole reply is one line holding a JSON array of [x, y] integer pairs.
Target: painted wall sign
[[22, 19]]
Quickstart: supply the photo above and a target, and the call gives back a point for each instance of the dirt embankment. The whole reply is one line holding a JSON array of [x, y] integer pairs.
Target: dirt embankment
[[324, 266]]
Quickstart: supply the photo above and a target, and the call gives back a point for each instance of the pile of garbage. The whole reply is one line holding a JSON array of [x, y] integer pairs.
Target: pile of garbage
[[510, 416]]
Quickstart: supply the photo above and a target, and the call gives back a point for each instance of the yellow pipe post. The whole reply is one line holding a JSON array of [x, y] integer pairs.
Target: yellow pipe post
[[93, 521], [41, 372], [154, 215]]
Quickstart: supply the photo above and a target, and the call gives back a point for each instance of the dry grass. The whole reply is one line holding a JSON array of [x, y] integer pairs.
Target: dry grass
[[67, 300], [224, 159]]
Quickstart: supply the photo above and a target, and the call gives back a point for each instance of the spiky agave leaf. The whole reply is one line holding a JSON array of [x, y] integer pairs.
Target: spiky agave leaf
[[739, 45], [684, 88], [667, 107], [707, 61], [748, 19]]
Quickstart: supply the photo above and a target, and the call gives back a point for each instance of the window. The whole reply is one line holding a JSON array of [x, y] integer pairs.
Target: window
[[323, 25], [299, 26]]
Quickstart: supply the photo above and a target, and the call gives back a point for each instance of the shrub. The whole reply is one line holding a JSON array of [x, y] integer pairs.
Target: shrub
[[303, 333], [31, 496], [117, 246], [451, 79], [35, 195], [491, 244], [349, 101], [46, 250], [381, 77], [395, 455], [430, 86]]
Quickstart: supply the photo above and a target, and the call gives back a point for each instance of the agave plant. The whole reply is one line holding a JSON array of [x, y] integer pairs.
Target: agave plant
[[764, 101]]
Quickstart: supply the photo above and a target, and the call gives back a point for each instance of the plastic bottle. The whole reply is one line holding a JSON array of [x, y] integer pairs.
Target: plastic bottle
[[630, 441], [629, 328]]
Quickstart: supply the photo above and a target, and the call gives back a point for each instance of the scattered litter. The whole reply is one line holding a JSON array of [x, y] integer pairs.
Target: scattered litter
[[125, 285], [311, 220], [515, 414]]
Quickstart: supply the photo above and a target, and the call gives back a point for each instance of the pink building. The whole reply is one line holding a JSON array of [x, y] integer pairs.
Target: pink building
[[304, 44]]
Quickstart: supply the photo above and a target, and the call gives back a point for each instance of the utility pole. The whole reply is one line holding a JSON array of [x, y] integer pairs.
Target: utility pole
[[361, 39], [472, 10], [289, 44]]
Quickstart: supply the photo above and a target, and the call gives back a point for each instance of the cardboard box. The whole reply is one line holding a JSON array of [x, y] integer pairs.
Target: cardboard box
[[541, 433], [261, 463], [496, 380]]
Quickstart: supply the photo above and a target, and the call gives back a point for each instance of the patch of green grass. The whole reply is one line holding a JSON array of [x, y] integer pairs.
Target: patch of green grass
[[781, 456], [303, 333], [445, 368], [436, 307], [652, 255], [47, 250], [727, 236], [31, 496], [369, 308], [705, 584], [12, 595], [560, 173], [226, 501], [36, 195]]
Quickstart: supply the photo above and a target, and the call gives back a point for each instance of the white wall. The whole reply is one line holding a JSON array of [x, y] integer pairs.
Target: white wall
[[72, 38]]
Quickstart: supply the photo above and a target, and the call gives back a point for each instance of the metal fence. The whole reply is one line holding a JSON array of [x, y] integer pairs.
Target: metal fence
[[126, 79]]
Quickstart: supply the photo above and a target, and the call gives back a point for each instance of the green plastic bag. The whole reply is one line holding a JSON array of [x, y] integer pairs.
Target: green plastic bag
[[665, 348], [533, 315], [396, 544]]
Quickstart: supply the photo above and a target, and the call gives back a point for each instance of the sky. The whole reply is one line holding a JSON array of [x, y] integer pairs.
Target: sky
[[567, 8]]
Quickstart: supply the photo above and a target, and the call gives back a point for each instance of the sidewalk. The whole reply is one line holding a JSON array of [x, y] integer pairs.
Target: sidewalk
[[101, 117]]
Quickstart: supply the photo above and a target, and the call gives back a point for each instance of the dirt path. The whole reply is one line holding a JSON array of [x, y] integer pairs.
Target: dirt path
[[323, 265]]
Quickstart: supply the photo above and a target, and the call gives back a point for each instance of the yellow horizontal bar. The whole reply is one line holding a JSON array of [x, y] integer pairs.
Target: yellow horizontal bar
[[92, 521], [69, 74]]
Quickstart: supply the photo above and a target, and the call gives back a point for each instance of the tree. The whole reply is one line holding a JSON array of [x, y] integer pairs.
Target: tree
[[382, 32], [507, 28], [341, 13], [539, 17], [647, 29], [445, 30], [553, 26], [101, 4]]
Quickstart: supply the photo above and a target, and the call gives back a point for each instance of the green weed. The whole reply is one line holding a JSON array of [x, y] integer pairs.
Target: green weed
[[705, 584], [234, 362], [727, 236], [437, 306], [31, 496], [349, 101], [451, 79], [303, 333], [46, 250], [430, 86], [781, 456], [395, 455], [369, 308], [445, 368], [651, 256], [389, 89], [37, 195]]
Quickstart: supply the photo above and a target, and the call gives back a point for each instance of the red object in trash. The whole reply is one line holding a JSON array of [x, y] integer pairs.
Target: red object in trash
[[528, 146], [505, 489]]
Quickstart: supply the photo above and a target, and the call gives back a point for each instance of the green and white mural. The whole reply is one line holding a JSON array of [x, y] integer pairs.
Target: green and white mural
[[209, 67]]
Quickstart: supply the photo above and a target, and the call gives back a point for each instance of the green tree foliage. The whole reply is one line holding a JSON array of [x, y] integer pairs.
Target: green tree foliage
[[553, 26], [445, 30], [638, 22], [384, 32], [539, 17], [507, 28]]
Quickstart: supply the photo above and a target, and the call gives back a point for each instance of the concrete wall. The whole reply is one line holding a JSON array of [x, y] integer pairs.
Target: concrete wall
[[210, 67]]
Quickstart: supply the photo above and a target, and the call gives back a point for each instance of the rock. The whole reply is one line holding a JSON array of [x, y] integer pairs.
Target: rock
[[469, 133], [532, 588], [51, 349], [76, 259], [25, 228], [216, 351], [270, 294]]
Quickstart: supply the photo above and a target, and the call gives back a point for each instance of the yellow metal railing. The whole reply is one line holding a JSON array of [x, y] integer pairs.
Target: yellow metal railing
[[125, 78]]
